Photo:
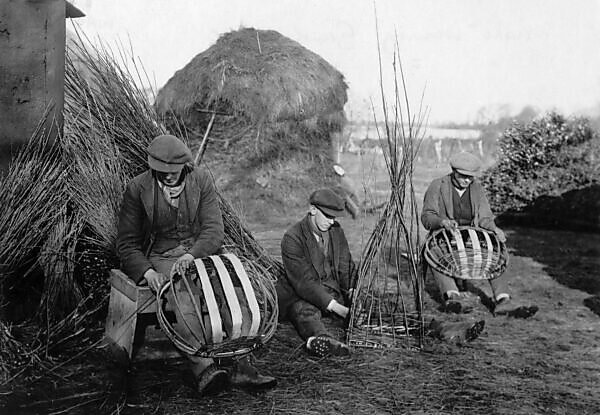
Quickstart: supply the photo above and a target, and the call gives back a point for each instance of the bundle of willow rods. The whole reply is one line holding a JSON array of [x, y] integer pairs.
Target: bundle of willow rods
[[34, 182], [31, 189], [103, 97], [57, 259], [390, 259], [13, 354]]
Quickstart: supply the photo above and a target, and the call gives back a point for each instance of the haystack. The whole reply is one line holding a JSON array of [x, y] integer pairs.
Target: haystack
[[257, 76], [273, 100]]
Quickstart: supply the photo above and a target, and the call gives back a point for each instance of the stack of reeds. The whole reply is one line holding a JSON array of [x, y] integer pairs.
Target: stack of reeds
[[387, 301], [13, 354], [34, 182], [33, 191]]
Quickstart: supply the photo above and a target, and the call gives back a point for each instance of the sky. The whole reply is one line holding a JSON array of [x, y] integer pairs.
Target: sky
[[468, 60]]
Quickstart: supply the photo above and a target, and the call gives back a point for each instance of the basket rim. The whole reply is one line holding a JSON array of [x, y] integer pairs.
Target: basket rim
[[431, 260], [227, 349]]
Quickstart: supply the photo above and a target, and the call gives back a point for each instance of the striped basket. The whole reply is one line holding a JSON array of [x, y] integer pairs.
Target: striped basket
[[468, 253], [222, 308]]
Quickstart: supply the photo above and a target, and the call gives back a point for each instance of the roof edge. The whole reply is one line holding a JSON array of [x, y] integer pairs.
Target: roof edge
[[73, 12]]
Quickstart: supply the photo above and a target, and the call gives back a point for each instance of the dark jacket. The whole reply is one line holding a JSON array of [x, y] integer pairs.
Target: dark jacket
[[437, 205], [137, 210], [305, 277]]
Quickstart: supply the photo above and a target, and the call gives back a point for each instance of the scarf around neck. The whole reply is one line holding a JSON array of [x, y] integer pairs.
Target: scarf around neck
[[171, 193]]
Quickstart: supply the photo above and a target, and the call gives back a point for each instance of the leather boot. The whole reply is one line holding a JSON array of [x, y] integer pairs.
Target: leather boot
[[506, 307], [209, 378], [211, 381], [456, 332], [324, 345], [461, 303], [244, 375]]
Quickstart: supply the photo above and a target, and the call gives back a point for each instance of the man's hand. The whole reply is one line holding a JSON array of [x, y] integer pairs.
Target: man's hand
[[500, 234], [182, 264], [337, 308], [155, 279], [449, 224]]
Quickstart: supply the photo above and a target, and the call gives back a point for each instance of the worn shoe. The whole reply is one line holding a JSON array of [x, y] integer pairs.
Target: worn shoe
[[456, 332], [211, 381], [463, 302], [506, 307], [244, 375], [593, 303], [474, 331], [324, 345]]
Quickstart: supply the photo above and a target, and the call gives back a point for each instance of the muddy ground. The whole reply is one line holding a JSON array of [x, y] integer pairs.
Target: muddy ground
[[547, 364]]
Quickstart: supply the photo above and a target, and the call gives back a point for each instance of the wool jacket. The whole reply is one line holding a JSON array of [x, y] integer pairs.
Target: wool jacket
[[305, 276], [437, 205], [135, 233]]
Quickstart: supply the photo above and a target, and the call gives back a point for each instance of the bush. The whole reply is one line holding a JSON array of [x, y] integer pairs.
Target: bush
[[548, 156]]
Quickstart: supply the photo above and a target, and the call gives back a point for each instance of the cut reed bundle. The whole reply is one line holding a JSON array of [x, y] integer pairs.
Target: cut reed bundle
[[31, 190], [34, 182], [57, 259], [103, 97]]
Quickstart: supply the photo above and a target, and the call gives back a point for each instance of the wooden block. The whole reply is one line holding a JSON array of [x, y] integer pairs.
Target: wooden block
[[124, 284], [121, 320], [143, 296], [127, 300]]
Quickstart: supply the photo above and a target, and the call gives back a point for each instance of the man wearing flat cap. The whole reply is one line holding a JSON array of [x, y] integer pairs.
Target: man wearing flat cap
[[458, 199], [319, 274], [169, 216]]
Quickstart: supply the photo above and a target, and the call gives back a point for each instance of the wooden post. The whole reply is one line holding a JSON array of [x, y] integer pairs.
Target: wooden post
[[32, 69]]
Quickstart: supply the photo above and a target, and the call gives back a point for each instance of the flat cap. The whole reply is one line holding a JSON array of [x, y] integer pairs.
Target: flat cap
[[168, 154], [466, 163], [328, 202]]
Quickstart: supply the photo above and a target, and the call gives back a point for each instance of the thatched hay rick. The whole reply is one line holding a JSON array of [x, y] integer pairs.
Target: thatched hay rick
[[272, 107]]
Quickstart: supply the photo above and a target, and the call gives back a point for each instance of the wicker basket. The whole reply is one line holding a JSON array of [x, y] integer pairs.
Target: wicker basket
[[468, 253], [223, 308]]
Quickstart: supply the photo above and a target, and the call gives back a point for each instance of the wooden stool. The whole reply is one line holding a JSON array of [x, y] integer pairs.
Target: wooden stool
[[127, 300]]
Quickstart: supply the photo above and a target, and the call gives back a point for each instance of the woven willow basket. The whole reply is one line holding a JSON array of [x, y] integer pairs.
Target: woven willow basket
[[468, 253], [223, 308]]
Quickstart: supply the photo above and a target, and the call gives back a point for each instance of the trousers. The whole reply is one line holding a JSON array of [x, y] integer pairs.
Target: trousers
[[446, 284], [308, 319]]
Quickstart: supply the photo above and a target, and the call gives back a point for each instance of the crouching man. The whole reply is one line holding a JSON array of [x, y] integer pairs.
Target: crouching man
[[319, 273]]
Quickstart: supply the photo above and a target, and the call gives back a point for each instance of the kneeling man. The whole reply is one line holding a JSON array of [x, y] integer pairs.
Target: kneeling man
[[319, 274]]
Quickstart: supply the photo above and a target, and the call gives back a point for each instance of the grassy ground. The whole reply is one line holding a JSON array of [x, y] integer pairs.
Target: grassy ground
[[548, 364]]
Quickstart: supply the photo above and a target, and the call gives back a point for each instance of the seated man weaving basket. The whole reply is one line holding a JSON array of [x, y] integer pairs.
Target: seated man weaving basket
[[458, 199], [170, 215], [318, 273]]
